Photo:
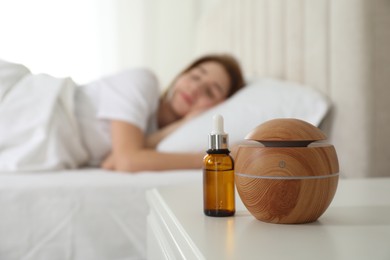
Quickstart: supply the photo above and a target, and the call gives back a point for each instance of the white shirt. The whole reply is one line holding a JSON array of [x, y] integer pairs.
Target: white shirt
[[131, 96]]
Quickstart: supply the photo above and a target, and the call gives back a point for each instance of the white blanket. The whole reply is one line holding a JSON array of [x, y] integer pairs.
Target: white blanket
[[38, 128]]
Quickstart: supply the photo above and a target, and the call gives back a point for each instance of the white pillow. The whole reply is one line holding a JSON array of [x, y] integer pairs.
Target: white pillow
[[259, 101]]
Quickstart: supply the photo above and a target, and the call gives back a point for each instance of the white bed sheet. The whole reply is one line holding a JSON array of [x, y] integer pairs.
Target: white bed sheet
[[78, 214]]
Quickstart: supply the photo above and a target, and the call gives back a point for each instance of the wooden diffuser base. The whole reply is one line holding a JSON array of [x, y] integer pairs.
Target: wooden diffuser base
[[283, 183]]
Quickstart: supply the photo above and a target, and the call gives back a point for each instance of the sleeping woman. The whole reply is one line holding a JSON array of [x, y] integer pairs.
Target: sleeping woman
[[122, 118]]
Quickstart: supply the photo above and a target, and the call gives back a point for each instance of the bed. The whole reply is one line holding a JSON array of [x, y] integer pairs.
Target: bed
[[329, 54], [89, 213]]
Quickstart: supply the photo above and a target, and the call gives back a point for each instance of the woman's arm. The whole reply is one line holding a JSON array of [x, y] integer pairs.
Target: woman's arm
[[130, 154]]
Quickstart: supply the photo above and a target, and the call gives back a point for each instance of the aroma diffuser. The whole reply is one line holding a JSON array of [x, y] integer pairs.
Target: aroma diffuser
[[286, 176]]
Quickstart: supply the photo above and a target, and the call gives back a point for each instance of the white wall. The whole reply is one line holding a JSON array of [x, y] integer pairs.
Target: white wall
[[170, 37], [122, 34], [171, 27], [51, 36], [82, 39], [90, 38]]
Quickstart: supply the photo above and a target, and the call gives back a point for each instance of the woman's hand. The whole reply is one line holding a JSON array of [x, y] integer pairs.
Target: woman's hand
[[108, 163]]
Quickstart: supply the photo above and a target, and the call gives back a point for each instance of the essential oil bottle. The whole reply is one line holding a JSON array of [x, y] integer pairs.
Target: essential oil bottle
[[218, 174]]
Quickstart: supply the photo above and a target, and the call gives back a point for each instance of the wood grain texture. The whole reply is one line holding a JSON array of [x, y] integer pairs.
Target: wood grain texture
[[286, 201], [284, 184], [287, 161], [286, 129]]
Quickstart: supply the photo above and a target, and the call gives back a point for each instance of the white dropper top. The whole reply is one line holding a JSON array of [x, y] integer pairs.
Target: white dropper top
[[218, 125], [218, 139]]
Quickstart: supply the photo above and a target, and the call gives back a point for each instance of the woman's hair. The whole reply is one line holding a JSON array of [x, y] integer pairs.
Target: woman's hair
[[229, 63]]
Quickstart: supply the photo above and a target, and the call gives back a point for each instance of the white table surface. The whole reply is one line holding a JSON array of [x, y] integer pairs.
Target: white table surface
[[355, 226]]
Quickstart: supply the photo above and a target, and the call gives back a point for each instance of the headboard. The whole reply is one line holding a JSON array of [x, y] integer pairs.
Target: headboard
[[338, 47]]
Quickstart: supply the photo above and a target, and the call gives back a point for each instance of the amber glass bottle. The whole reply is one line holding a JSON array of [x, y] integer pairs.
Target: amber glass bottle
[[218, 174]]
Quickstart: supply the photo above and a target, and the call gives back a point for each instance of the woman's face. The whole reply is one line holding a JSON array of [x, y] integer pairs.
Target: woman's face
[[200, 88]]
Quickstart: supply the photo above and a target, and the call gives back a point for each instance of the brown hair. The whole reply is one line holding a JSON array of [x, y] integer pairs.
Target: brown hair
[[229, 63]]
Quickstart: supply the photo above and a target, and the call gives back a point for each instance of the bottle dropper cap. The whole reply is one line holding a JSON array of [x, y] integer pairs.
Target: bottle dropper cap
[[218, 139]]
